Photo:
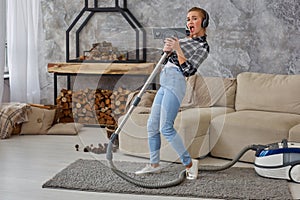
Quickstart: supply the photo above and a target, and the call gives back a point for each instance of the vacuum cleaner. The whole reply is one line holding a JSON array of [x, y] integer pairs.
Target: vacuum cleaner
[[279, 160]]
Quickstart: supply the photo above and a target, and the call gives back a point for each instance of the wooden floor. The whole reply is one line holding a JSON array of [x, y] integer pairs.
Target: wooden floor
[[26, 162]]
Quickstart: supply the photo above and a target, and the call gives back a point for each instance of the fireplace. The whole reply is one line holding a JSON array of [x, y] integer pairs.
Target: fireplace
[[121, 38]]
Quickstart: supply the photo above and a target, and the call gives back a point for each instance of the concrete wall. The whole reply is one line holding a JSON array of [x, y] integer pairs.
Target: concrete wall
[[252, 35]]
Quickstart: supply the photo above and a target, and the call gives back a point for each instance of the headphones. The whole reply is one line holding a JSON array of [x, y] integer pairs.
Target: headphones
[[205, 21]]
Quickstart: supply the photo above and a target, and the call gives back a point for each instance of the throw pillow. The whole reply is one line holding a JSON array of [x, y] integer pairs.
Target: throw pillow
[[209, 91], [65, 129], [39, 121], [10, 115], [146, 100]]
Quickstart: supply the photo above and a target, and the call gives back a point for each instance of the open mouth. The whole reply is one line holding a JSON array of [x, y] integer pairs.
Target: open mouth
[[192, 28]]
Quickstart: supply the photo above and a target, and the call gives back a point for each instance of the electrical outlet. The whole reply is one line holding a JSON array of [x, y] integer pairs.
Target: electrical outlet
[[161, 33]]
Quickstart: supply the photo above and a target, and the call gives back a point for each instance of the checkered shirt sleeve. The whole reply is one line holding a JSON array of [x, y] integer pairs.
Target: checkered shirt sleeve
[[195, 51]]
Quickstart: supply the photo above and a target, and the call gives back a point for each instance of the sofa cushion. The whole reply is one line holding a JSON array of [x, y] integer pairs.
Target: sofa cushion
[[39, 121], [209, 91], [195, 121], [268, 92], [191, 124], [230, 134], [65, 129], [294, 134]]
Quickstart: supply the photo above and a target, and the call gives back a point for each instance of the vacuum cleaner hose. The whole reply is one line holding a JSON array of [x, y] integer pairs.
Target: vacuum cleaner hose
[[233, 161], [182, 174], [136, 182]]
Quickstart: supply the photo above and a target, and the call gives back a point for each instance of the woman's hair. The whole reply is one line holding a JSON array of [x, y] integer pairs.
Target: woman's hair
[[200, 10]]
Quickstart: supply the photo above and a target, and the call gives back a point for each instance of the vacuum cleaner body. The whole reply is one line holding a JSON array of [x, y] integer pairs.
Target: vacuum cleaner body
[[279, 160]]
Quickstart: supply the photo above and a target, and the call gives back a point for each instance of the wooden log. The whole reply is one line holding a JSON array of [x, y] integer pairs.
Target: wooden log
[[93, 106]]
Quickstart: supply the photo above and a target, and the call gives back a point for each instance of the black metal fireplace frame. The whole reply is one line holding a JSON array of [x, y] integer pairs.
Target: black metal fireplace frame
[[133, 22]]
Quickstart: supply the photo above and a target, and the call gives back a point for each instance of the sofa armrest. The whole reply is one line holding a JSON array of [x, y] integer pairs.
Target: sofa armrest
[[294, 133]]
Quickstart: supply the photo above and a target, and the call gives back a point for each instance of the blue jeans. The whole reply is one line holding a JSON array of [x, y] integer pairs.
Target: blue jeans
[[163, 113]]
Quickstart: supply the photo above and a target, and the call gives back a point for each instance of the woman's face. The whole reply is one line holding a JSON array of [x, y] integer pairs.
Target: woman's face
[[194, 21]]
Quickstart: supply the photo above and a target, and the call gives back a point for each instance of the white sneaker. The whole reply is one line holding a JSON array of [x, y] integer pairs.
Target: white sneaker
[[192, 173], [149, 169]]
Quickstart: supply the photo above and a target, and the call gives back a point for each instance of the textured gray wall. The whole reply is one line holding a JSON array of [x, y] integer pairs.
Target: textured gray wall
[[244, 35]]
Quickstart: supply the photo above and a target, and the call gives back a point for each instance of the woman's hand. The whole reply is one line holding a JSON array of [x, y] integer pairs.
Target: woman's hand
[[171, 44]]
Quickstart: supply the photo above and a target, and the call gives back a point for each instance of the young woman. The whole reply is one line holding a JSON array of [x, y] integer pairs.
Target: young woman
[[185, 56]]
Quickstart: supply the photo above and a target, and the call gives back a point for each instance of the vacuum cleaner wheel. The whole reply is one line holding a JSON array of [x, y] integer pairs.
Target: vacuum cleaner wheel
[[295, 173]]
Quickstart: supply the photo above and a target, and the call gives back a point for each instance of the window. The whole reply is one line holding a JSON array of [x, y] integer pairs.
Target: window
[[6, 70]]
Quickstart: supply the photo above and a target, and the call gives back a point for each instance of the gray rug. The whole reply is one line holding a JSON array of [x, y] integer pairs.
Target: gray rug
[[233, 183]]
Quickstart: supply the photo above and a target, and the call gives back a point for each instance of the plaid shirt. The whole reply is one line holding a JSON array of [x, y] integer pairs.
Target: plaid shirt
[[195, 51]]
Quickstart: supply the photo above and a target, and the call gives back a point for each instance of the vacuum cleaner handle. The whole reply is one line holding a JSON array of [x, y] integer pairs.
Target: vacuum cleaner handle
[[109, 155]]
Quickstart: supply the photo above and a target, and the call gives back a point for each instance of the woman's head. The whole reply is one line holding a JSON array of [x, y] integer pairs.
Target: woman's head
[[197, 21]]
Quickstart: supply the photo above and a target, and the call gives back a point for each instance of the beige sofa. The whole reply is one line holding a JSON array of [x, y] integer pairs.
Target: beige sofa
[[267, 110], [222, 115]]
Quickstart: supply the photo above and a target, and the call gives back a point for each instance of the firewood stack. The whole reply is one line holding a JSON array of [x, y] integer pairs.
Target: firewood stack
[[104, 51], [88, 106], [118, 102], [83, 106], [64, 104]]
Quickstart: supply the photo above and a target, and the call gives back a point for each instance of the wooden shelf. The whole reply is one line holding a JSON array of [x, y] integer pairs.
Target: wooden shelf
[[102, 68]]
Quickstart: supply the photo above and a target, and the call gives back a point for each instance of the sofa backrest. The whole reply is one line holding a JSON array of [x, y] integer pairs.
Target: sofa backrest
[[209, 91], [268, 92], [201, 92]]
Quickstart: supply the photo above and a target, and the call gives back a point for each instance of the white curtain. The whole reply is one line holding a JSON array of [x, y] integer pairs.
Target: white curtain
[[22, 40], [2, 45]]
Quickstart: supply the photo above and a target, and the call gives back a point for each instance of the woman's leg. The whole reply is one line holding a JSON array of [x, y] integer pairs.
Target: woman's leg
[[154, 139], [169, 108]]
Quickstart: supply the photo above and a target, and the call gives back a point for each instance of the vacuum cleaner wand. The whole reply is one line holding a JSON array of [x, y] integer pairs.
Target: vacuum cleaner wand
[[109, 155], [140, 94]]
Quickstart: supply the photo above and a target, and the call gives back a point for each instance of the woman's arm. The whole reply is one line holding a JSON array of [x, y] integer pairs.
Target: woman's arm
[[172, 44], [189, 54]]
